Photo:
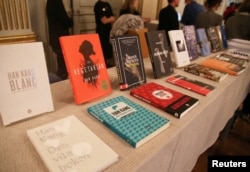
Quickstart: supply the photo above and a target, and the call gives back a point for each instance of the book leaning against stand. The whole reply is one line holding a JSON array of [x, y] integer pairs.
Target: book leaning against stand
[[69, 145], [25, 89]]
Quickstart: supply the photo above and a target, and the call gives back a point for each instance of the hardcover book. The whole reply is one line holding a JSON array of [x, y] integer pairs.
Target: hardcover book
[[191, 84], [206, 72], [86, 67], [179, 47], [159, 53], [191, 41], [69, 145], [214, 39], [226, 63], [25, 89], [164, 98], [204, 44], [131, 121], [129, 61]]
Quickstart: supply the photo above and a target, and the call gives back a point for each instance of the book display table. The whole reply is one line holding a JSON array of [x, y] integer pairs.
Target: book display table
[[177, 148]]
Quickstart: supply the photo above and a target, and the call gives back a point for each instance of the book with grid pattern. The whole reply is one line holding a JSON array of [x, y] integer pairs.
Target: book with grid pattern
[[132, 122]]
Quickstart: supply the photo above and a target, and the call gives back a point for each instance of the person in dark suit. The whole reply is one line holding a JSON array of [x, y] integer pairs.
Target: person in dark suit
[[59, 24]]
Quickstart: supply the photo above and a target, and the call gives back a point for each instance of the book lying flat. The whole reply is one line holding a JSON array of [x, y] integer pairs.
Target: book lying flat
[[69, 145], [206, 72], [131, 121], [25, 89], [169, 100], [191, 84]]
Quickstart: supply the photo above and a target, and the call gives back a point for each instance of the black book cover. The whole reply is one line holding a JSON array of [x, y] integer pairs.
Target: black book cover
[[129, 61], [214, 39], [159, 53]]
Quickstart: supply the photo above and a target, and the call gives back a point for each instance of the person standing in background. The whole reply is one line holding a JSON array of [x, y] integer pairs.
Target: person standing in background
[[209, 18], [168, 18], [104, 18], [59, 24], [191, 11]]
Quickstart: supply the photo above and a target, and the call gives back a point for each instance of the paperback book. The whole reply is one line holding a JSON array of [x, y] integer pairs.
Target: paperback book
[[86, 67], [214, 39], [179, 48], [226, 63], [191, 41], [220, 30], [129, 61], [206, 72], [204, 44], [129, 120], [159, 53], [191, 84], [25, 88], [69, 145], [166, 99]]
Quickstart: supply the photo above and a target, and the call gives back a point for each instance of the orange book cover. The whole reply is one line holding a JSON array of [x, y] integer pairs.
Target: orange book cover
[[86, 67], [224, 66]]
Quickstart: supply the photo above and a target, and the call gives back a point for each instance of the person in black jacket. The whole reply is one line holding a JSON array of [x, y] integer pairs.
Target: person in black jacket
[[59, 23]]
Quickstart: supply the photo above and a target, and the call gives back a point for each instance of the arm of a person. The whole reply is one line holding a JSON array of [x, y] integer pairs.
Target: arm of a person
[[106, 20]]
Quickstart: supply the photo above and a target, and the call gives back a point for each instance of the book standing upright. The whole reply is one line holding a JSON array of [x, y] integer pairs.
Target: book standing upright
[[129, 61], [179, 47], [204, 44], [69, 145], [159, 53], [86, 67], [214, 39], [25, 89]]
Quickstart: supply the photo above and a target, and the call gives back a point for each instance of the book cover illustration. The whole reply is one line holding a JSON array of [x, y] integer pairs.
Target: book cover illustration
[[131, 121], [86, 67], [204, 44], [25, 88], [191, 41], [206, 72], [164, 98], [69, 145], [159, 53], [220, 30], [225, 63], [179, 47], [191, 84], [214, 39], [129, 61]]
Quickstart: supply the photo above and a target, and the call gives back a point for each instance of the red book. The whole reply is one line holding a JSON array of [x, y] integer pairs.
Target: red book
[[169, 100], [191, 84], [86, 67]]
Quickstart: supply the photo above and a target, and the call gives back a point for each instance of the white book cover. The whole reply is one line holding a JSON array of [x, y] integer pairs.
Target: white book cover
[[179, 48], [25, 89], [69, 145]]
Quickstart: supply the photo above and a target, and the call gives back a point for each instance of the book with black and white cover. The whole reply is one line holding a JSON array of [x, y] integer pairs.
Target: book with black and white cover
[[214, 39], [240, 53], [179, 48], [159, 53], [69, 145], [191, 41], [204, 44], [128, 60], [129, 120], [171, 101], [25, 89], [206, 72]]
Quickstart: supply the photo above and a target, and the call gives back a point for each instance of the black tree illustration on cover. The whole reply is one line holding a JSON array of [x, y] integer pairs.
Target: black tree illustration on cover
[[89, 69]]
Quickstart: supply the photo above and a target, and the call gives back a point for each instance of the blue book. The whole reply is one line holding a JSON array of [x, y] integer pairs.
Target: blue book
[[204, 44], [132, 122]]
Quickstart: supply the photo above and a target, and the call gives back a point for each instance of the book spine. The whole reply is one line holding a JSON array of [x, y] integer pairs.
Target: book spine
[[124, 137]]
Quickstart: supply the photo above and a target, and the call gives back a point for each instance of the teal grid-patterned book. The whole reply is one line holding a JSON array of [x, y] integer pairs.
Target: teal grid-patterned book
[[132, 122]]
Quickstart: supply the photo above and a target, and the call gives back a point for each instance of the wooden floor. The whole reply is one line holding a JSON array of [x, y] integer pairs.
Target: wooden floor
[[236, 143]]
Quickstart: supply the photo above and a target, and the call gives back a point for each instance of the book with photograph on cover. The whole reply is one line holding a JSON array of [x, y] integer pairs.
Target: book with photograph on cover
[[191, 41], [179, 47], [86, 67], [164, 98], [191, 84], [128, 60], [214, 39], [129, 120], [69, 145], [206, 72], [159, 53], [25, 88]]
